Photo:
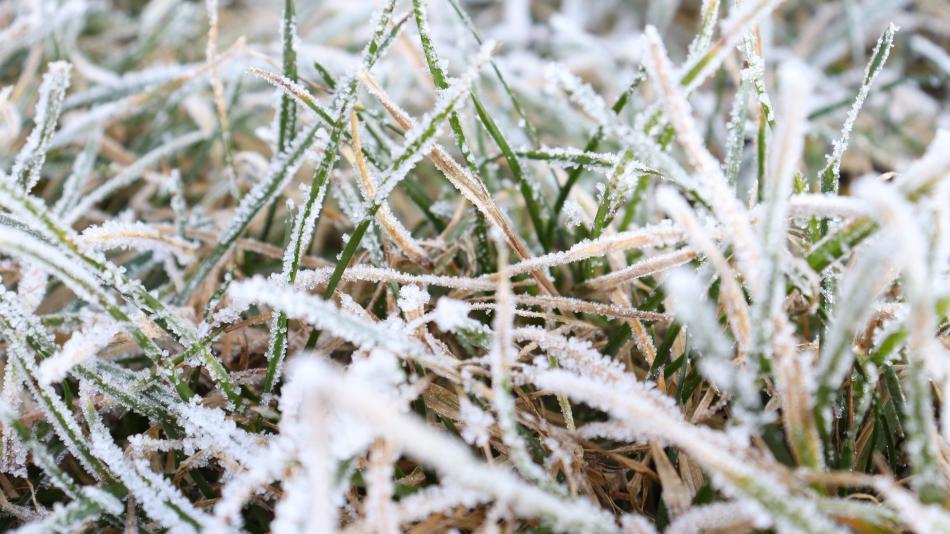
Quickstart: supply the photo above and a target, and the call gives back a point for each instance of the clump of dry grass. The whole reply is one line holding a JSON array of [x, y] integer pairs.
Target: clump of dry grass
[[523, 267]]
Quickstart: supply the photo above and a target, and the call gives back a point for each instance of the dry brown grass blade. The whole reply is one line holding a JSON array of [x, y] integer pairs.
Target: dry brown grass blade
[[396, 231]]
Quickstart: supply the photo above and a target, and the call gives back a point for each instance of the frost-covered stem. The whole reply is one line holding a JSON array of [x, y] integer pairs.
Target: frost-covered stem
[[920, 517], [30, 159], [418, 143], [773, 334], [287, 115], [217, 91], [92, 500], [158, 497], [527, 189], [720, 196], [734, 27], [367, 186], [663, 234], [860, 286], [74, 258], [647, 414], [470, 186], [308, 214], [82, 168], [71, 270], [737, 311], [452, 459], [751, 47], [615, 193], [708, 14], [440, 80], [736, 128], [645, 267], [56, 412], [716, 516], [501, 358], [829, 174], [115, 384], [285, 120], [285, 165], [380, 510]]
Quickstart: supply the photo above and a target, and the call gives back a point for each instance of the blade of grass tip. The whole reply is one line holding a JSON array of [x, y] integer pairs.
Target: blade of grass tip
[[742, 17], [419, 141], [307, 215], [30, 158], [708, 14], [751, 47], [295, 92], [829, 175], [325, 75]]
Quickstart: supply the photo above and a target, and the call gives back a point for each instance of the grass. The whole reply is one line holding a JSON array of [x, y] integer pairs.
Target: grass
[[424, 265]]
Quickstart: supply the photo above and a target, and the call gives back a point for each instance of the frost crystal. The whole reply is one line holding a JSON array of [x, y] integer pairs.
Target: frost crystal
[[450, 314], [476, 422], [412, 298]]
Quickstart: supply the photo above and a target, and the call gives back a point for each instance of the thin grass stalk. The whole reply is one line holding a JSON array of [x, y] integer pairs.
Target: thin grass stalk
[[308, 214], [418, 143], [285, 166]]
